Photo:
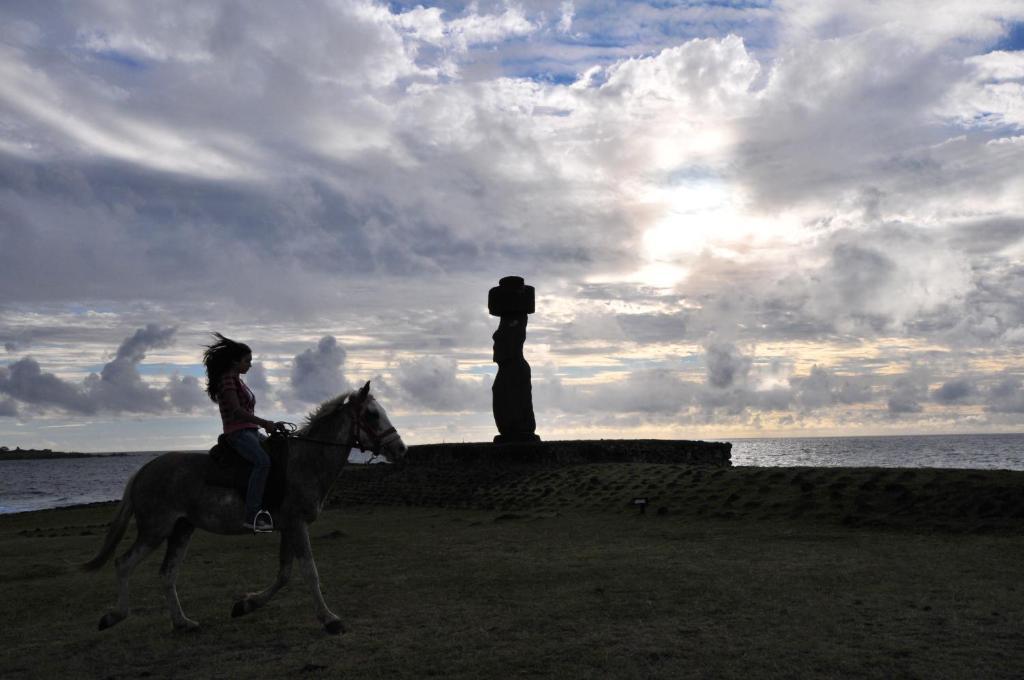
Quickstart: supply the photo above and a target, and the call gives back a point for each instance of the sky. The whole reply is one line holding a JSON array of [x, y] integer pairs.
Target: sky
[[741, 219]]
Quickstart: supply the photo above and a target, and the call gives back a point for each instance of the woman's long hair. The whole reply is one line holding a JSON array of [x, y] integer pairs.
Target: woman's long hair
[[218, 358]]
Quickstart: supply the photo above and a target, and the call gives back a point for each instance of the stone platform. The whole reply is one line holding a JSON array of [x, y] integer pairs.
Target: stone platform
[[470, 474], [573, 452]]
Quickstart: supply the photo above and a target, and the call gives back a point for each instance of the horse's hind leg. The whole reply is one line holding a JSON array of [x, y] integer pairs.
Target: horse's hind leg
[[125, 564], [177, 546], [253, 601]]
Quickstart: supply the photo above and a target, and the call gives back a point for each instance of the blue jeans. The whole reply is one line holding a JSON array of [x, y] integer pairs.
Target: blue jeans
[[247, 443]]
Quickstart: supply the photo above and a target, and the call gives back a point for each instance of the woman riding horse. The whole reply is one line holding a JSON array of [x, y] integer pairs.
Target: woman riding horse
[[169, 498], [226, 361]]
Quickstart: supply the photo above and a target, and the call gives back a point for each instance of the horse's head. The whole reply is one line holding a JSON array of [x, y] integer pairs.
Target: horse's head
[[372, 429]]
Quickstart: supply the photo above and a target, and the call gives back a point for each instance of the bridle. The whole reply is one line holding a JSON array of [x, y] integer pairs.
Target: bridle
[[360, 423]]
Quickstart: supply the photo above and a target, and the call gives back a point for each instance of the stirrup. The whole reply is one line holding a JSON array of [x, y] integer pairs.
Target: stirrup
[[265, 529]]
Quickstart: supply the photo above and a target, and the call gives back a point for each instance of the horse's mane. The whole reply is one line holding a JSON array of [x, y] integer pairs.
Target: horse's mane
[[324, 409]]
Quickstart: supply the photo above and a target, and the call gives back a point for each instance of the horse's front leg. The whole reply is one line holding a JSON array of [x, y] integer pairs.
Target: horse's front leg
[[304, 554], [253, 601]]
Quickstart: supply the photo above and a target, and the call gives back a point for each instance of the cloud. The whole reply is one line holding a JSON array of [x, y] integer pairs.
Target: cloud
[[567, 10], [644, 395], [118, 388], [823, 389], [1006, 396], [906, 393], [652, 328], [887, 275], [257, 380], [816, 390], [186, 393], [726, 366], [8, 408], [710, 76], [25, 381], [992, 97], [477, 29], [834, 182], [318, 372], [953, 391], [433, 383]]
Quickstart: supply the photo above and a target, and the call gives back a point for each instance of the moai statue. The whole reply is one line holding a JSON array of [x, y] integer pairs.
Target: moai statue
[[512, 300]]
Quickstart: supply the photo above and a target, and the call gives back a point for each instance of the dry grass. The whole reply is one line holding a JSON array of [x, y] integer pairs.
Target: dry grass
[[535, 592], [950, 500]]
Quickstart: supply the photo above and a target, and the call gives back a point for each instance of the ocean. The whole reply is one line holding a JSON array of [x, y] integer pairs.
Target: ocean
[[27, 485], [975, 451]]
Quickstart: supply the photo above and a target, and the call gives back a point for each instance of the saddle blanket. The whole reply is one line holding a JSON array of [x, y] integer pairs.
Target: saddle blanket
[[228, 469]]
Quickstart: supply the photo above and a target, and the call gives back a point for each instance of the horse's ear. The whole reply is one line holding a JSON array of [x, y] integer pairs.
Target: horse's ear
[[365, 392]]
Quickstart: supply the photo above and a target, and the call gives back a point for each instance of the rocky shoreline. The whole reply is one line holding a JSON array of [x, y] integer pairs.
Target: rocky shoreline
[[47, 454]]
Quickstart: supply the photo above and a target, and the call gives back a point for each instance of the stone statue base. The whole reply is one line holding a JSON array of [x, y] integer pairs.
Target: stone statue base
[[525, 437]]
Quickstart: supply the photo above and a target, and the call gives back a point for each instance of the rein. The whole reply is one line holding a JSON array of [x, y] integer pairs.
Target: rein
[[289, 430]]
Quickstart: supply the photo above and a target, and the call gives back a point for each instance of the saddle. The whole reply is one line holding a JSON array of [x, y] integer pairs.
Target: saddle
[[229, 470]]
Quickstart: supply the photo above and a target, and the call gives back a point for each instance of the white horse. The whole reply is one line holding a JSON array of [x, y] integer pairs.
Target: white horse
[[169, 498]]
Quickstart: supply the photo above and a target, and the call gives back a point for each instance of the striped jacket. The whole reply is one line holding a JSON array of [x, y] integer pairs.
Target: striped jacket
[[233, 394]]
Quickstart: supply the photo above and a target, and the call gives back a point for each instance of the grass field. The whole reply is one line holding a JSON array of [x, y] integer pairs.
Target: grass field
[[540, 591]]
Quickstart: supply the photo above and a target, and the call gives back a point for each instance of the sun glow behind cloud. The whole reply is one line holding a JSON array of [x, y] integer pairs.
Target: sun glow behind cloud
[[707, 217]]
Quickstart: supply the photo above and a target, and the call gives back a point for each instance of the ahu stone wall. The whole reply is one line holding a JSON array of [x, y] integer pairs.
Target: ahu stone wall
[[470, 474]]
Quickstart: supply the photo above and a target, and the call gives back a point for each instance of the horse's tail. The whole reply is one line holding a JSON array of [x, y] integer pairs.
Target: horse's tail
[[116, 531]]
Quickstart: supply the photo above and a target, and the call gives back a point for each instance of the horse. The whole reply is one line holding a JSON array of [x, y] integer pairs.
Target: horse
[[170, 499]]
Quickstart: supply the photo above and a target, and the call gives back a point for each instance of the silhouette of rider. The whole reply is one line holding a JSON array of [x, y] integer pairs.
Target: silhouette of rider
[[226, 361]]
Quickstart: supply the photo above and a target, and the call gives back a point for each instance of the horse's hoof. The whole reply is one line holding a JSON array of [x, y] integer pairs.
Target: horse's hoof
[[109, 619], [186, 626], [241, 608], [334, 627]]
